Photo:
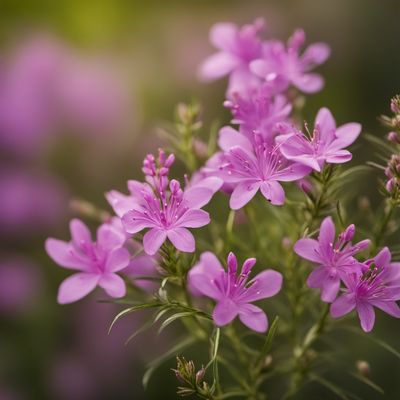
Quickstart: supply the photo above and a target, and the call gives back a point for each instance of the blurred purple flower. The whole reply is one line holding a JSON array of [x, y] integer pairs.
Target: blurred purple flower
[[20, 284], [98, 261], [237, 48], [166, 209], [253, 168], [326, 143], [378, 286], [232, 292], [284, 66], [46, 87], [334, 258], [29, 202]]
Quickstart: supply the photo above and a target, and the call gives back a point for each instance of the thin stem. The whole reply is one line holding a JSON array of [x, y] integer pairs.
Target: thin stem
[[388, 213]]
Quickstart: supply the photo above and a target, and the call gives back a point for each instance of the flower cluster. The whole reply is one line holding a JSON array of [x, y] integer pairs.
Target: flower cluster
[[374, 282], [269, 148]]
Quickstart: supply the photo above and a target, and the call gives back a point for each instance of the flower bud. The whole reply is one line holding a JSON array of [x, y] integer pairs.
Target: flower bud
[[393, 137], [232, 263], [348, 234], [363, 368], [395, 104], [200, 375]]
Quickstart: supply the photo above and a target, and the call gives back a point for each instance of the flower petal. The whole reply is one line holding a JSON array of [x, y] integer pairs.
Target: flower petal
[[79, 232], [109, 237], [382, 259], [316, 54], [243, 193], [194, 219], [266, 284], [223, 35], [229, 138], [317, 277], [366, 314], [225, 312], [346, 135], [326, 235], [117, 260], [343, 305], [330, 288], [63, 254], [205, 275], [309, 83], [153, 239], [182, 239], [134, 221], [216, 66], [253, 317], [325, 121], [308, 249], [389, 307], [294, 172], [76, 287], [113, 284], [339, 157], [273, 192]]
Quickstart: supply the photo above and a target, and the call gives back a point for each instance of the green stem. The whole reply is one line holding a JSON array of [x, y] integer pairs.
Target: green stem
[[388, 213], [302, 365]]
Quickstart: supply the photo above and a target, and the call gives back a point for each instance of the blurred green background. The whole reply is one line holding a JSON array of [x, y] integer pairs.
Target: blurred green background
[[152, 50]]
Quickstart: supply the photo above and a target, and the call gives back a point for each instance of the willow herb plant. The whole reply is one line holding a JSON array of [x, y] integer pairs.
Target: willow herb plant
[[293, 244]]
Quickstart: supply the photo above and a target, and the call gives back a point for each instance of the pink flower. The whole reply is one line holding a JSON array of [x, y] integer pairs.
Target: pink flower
[[378, 286], [260, 114], [232, 292], [97, 261], [166, 209], [326, 143], [237, 48], [253, 168], [334, 258], [287, 66]]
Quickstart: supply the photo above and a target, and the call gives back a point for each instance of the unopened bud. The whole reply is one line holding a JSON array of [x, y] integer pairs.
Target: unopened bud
[[395, 104], [287, 243], [200, 375], [393, 137], [364, 204], [348, 234], [200, 148], [363, 368]]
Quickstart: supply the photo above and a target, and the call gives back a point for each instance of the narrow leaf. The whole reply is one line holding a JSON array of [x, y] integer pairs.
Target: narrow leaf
[[174, 351], [131, 310]]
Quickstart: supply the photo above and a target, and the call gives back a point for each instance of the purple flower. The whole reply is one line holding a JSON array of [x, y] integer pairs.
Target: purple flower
[[237, 48], [252, 168], [167, 210], [334, 258], [97, 262], [234, 293], [260, 114], [326, 143], [287, 66], [377, 286]]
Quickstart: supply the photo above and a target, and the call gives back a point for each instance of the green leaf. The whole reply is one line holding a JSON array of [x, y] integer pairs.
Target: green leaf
[[379, 342], [131, 310], [330, 385], [174, 317], [367, 382], [143, 328], [268, 342], [174, 351]]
